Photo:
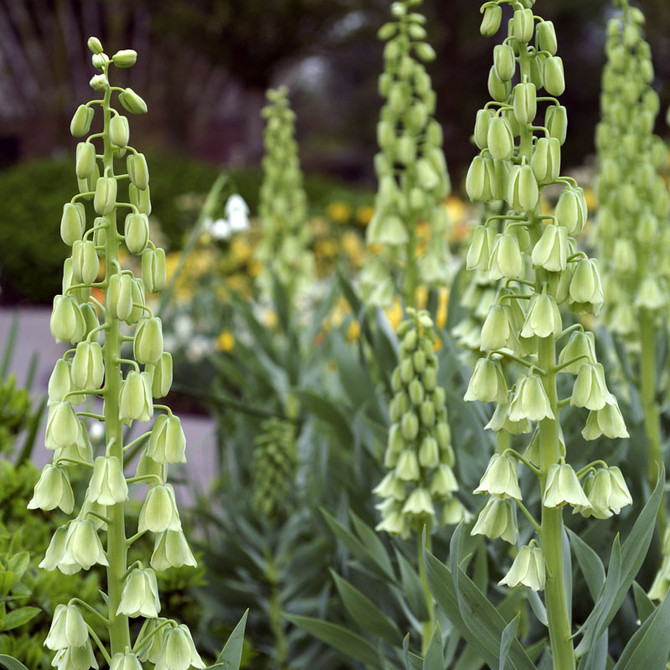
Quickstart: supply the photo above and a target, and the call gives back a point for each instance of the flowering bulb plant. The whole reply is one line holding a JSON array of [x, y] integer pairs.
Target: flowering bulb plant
[[283, 249], [633, 235], [542, 273], [410, 167], [102, 308]]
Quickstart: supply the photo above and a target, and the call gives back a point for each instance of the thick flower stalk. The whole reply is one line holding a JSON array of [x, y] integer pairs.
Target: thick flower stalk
[[633, 234], [418, 489], [411, 169], [101, 309], [519, 133], [284, 248]]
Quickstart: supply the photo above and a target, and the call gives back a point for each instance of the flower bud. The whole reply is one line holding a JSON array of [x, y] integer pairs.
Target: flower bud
[[171, 550], [491, 20], [138, 170], [85, 161], [108, 485], [81, 121], [563, 487], [68, 628], [132, 102], [500, 478], [503, 61], [67, 322], [62, 426], [148, 343], [479, 253], [98, 82], [551, 250], [141, 198], [554, 77], [523, 193], [546, 37], [525, 103], [606, 421], [136, 232], [483, 119], [429, 453], [162, 376], [120, 296], [85, 263], [556, 122], [530, 400], [477, 181], [82, 547], [506, 258], [104, 200], [528, 568], [153, 269], [135, 402], [497, 519], [546, 160], [72, 223], [571, 210], [178, 651], [487, 383], [499, 138], [125, 58], [53, 490], [88, 368], [167, 442], [94, 45], [522, 25], [119, 130], [59, 382], [159, 511], [499, 90]]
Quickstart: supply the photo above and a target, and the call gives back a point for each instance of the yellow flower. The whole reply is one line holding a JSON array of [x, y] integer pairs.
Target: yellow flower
[[225, 341], [456, 208], [394, 313], [353, 331], [255, 268], [438, 344], [325, 249], [352, 245], [270, 318], [339, 212], [591, 199], [421, 296], [442, 305], [171, 261], [364, 214], [241, 250]]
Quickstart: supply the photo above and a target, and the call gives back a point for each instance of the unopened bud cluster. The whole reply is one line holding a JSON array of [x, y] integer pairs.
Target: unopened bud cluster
[[97, 326], [410, 166], [273, 467], [419, 488], [283, 249], [632, 234], [541, 273]]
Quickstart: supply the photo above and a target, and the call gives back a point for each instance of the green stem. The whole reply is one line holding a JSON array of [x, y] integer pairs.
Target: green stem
[[427, 626], [275, 614], [551, 533], [411, 273], [117, 551], [652, 420]]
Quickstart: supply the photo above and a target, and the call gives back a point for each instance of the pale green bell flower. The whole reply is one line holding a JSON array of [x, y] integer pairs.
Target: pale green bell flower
[[140, 594], [178, 651], [606, 421], [528, 569], [500, 478], [530, 400], [68, 628], [159, 511], [497, 519], [108, 485], [563, 487], [171, 550], [53, 490]]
